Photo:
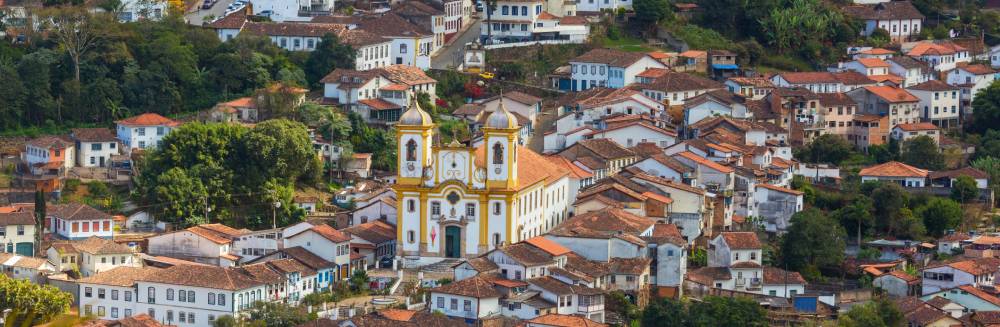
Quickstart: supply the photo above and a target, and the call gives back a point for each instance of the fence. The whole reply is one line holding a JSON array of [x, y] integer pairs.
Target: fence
[[529, 43]]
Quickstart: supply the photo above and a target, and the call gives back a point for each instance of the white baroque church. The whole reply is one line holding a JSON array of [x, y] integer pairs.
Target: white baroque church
[[457, 201]]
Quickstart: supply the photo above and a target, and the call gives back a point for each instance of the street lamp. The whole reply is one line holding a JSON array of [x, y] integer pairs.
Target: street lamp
[[274, 214]]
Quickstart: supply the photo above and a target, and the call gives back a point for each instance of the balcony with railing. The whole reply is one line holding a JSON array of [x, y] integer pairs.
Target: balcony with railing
[[590, 304]]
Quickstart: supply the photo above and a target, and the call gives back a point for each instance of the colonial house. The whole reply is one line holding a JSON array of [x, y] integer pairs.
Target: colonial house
[[94, 146], [327, 243], [822, 82], [672, 88], [775, 205], [974, 272], [906, 132], [144, 131], [17, 230], [558, 320], [299, 11], [469, 299], [29, 268], [940, 103], [895, 172], [609, 68], [868, 66], [570, 299], [585, 111], [379, 94], [375, 240], [970, 298], [715, 103], [972, 79], [947, 178], [753, 88], [900, 18], [912, 71], [898, 283], [633, 132], [325, 270], [48, 155], [734, 263], [428, 15], [522, 21], [90, 256], [602, 156], [76, 221], [205, 243], [412, 45], [899, 105], [942, 56]]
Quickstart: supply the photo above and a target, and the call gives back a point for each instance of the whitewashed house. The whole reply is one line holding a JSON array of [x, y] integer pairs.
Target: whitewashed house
[[912, 71], [471, 299], [900, 18], [895, 172], [17, 232], [939, 101], [898, 283], [76, 221], [776, 205], [94, 146], [972, 79], [206, 243], [943, 56], [609, 68], [32, 269], [144, 131], [327, 243], [48, 155], [970, 298], [974, 272], [90, 256]]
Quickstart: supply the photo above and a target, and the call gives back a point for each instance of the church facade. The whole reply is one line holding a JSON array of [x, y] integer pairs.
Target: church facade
[[457, 201]]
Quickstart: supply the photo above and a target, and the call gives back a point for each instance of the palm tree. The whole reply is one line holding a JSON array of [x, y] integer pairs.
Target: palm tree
[[359, 279]]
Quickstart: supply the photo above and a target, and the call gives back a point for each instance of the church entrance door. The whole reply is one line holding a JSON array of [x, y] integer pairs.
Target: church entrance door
[[452, 242]]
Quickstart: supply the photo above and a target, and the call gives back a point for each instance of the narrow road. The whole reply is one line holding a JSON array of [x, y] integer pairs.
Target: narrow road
[[196, 15], [451, 55]]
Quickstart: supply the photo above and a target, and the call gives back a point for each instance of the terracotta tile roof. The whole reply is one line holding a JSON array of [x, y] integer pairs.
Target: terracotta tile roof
[[572, 20], [909, 279], [939, 302], [708, 275], [705, 162], [892, 94], [93, 245], [606, 223], [780, 189], [547, 245], [646, 149], [745, 264], [531, 167], [610, 57], [926, 315], [558, 320], [17, 218], [653, 72], [394, 318], [777, 276], [360, 38], [872, 62], [853, 78], [204, 276], [894, 79], [916, 127], [956, 237], [586, 268], [658, 197], [404, 74], [477, 287], [217, 233], [94, 135], [307, 258], [976, 266], [753, 81], [835, 99], [679, 82], [480, 264], [667, 233], [547, 16], [290, 266], [893, 10], [981, 294], [292, 29], [393, 25], [526, 254], [379, 104], [235, 20], [741, 240], [629, 266], [893, 169], [48, 142], [933, 85], [575, 171], [148, 119], [955, 173], [636, 173], [877, 51], [76, 211], [120, 276], [694, 54], [978, 69], [558, 287], [649, 127], [348, 78], [328, 233], [909, 63], [808, 77], [935, 48], [376, 232]]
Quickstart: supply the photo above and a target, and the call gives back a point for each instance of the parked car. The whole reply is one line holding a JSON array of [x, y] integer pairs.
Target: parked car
[[208, 4]]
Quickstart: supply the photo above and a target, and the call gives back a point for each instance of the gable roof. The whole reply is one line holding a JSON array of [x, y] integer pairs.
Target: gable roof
[[872, 62], [606, 223], [573, 169], [780, 189], [778, 276], [678, 82], [326, 232], [610, 57], [935, 48], [559, 320], [477, 287], [94, 135], [76, 211], [148, 119], [526, 254], [204, 276], [92, 245], [893, 10], [120, 276], [47, 142], [933, 85], [544, 244], [705, 162], [17, 218], [955, 173], [893, 169], [217, 233], [892, 94], [376, 231], [741, 240], [910, 127]]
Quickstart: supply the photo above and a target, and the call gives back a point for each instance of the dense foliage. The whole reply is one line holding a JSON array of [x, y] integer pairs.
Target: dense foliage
[[231, 171], [813, 241], [32, 304], [712, 311]]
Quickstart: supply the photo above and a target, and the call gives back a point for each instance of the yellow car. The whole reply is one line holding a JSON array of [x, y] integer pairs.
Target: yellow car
[[487, 75]]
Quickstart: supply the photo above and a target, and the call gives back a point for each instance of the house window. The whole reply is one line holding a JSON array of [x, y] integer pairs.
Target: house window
[[114, 312], [440, 302], [141, 131], [181, 296], [222, 299], [100, 293], [170, 294], [468, 304], [454, 304], [402, 48], [88, 292], [20, 230], [151, 295], [128, 296], [211, 298]]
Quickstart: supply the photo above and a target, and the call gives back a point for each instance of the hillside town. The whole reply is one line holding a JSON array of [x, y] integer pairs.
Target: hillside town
[[499, 163]]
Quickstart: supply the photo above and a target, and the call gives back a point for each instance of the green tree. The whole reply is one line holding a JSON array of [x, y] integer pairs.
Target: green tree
[[827, 148], [359, 280], [32, 304], [991, 166], [989, 143], [856, 217], [648, 13], [276, 314], [664, 312], [278, 149], [879, 313], [40, 214], [13, 96], [889, 199], [182, 197], [964, 189], [620, 304], [813, 239], [799, 22], [939, 215], [922, 152], [726, 311], [986, 109], [329, 54]]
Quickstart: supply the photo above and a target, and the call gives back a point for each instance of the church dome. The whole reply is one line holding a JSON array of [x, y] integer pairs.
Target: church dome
[[415, 116], [501, 118]]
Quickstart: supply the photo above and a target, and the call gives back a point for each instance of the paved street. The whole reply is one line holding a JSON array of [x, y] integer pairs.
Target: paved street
[[196, 16], [451, 55]]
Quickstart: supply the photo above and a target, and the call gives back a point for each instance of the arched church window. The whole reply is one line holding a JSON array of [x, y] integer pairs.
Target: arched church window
[[411, 150], [497, 153]]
